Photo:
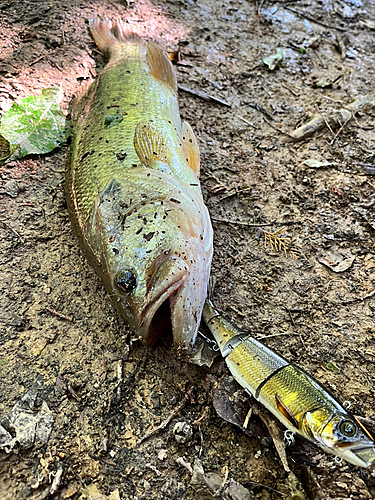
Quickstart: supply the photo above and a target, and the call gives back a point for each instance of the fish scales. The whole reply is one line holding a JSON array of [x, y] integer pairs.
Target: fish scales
[[133, 190], [103, 148]]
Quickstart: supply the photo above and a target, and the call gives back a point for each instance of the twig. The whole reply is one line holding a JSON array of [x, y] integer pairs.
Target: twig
[[59, 315], [274, 431], [203, 95], [342, 126], [358, 299], [165, 422], [325, 121], [226, 473], [337, 118], [260, 7], [244, 120], [312, 19], [13, 231], [248, 417], [370, 170], [276, 128], [290, 90], [265, 486], [244, 223]]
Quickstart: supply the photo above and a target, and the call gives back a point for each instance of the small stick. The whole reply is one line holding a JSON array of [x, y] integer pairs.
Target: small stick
[[200, 418], [244, 223], [325, 121], [312, 19], [290, 90], [203, 95], [247, 419], [359, 299], [59, 315], [342, 126], [13, 231], [274, 430], [244, 120], [165, 422], [226, 473]]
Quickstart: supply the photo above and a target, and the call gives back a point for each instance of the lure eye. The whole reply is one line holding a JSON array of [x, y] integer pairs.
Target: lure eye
[[126, 281], [347, 428]]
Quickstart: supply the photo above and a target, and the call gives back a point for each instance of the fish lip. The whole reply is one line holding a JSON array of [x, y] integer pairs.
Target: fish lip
[[154, 303]]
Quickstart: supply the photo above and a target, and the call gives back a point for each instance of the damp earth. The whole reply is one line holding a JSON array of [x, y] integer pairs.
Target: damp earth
[[294, 257]]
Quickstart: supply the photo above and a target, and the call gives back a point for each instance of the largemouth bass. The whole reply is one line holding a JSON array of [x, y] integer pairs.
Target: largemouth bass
[[293, 396], [133, 190]]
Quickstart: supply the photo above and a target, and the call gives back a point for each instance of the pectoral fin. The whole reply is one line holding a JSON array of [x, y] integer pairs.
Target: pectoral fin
[[284, 410], [191, 148], [150, 146]]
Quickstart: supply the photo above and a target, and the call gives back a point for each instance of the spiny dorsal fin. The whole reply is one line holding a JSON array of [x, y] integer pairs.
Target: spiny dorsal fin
[[284, 410], [191, 148], [160, 66], [108, 34], [150, 146]]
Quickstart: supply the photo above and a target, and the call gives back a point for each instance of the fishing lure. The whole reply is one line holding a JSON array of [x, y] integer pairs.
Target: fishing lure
[[304, 406]]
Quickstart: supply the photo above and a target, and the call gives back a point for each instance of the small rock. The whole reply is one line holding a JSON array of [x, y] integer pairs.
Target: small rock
[[11, 188], [182, 432]]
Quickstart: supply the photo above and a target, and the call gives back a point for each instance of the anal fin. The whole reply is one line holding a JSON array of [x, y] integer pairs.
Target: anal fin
[[285, 411], [191, 148], [150, 146]]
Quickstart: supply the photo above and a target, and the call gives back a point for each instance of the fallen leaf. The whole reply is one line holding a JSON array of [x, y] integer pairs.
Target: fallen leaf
[[274, 60], [317, 163], [336, 259], [34, 125]]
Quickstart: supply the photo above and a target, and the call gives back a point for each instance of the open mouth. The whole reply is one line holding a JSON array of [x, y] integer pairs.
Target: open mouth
[[365, 453], [155, 319], [161, 323]]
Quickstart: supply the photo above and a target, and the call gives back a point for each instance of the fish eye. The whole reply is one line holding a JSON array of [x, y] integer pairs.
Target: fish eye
[[126, 281], [347, 428]]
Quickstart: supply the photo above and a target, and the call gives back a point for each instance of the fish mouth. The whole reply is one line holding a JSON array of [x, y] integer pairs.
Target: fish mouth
[[155, 318], [363, 455]]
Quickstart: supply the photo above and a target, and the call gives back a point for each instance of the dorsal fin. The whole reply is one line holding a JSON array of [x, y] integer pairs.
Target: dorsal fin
[[284, 410], [160, 66], [150, 146], [191, 148]]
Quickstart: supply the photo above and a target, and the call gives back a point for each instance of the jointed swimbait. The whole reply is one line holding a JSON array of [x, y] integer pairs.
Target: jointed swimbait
[[293, 396]]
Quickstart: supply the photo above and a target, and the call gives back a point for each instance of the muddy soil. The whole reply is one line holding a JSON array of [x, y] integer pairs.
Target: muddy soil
[[62, 343]]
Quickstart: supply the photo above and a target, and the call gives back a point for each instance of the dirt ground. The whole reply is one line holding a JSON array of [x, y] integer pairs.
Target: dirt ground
[[62, 344]]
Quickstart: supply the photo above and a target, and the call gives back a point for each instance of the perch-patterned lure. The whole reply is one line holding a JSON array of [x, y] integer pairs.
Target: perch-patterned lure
[[293, 396]]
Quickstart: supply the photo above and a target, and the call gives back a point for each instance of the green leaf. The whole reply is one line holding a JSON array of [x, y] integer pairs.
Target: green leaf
[[35, 125], [273, 61]]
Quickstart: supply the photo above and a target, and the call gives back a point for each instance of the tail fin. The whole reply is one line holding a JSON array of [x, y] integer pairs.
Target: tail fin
[[110, 35], [107, 34]]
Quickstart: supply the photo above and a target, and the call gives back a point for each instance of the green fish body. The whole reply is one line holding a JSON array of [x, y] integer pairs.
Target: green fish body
[[133, 190], [293, 396]]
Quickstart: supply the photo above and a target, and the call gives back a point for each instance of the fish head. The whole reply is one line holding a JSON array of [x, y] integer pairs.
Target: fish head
[[340, 433], [155, 241]]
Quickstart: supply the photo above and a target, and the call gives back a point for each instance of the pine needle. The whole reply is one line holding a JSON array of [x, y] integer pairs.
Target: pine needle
[[278, 243]]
